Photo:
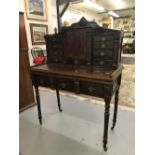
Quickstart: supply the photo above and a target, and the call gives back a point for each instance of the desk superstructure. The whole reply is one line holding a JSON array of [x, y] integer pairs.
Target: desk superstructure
[[86, 59]]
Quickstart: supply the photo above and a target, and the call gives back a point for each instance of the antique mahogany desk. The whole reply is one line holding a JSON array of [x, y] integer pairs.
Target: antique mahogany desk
[[84, 59]]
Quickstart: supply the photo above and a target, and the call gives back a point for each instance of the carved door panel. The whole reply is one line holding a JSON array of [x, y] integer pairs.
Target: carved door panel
[[75, 44]]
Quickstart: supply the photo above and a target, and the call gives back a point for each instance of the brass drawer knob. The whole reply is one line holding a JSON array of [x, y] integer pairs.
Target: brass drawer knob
[[91, 89], [41, 81], [103, 38], [102, 53], [75, 62], [63, 85], [54, 46], [102, 45], [101, 62]]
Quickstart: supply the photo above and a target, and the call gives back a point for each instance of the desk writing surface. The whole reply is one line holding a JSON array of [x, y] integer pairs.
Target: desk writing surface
[[51, 69]]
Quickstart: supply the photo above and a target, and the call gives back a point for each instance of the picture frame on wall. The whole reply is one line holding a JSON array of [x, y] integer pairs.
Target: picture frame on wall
[[36, 9], [38, 32]]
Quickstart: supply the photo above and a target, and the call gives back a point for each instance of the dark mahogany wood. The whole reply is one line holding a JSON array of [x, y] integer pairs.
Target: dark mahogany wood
[[84, 59], [115, 109], [38, 104], [101, 84], [106, 121], [58, 99], [116, 104], [26, 96], [85, 43]]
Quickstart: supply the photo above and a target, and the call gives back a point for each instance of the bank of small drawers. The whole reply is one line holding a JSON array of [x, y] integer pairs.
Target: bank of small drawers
[[55, 48], [103, 50], [88, 88], [103, 46]]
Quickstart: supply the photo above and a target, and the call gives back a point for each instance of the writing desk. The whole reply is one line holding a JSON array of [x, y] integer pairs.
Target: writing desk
[[103, 84]]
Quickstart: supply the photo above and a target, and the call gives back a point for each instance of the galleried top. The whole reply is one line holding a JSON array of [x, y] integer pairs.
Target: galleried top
[[84, 23]]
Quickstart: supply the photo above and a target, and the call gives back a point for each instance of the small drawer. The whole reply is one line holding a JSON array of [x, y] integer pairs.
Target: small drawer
[[102, 53], [54, 59], [103, 45], [76, 62], [103, 38], [65, 84], [57, 52], [56, 39], [100, 62], [43, 81], [55, 46], [52, 48], [93, 89]]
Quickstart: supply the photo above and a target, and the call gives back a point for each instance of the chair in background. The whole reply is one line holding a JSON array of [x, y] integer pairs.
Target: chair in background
[[38, 55]]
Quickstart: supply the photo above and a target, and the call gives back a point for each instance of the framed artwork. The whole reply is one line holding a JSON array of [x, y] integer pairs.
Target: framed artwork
[[36, 9], [38, 32]]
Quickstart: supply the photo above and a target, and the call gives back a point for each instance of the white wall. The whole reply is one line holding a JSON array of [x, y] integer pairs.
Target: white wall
[[51, 22], [72, 16]]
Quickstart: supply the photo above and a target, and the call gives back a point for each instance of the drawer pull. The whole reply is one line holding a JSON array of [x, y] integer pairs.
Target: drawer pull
[[102, 53], [101, 62], [102, 45], [54, 46], [41, 81], [103, 38], [91, 89], [63, 85], [75, 62]]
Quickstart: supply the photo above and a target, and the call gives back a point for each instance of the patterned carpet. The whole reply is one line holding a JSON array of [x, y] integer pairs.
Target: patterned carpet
[[127, 89]]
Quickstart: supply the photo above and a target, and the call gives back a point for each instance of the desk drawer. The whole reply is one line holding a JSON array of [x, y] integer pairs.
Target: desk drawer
[[65, 84], [92, 89], [42, 80]]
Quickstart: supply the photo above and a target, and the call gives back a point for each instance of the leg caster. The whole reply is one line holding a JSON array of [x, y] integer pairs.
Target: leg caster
[[40, 121], [105, 148]]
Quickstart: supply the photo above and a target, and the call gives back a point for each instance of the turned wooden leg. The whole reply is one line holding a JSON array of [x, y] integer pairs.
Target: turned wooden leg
[[38, 104], [115, 109], [106, 122], [58, 99]]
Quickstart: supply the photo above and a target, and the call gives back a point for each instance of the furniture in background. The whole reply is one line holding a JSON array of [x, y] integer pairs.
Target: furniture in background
[[26, 96], [83, 58], [38, 55], [129, 48]]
